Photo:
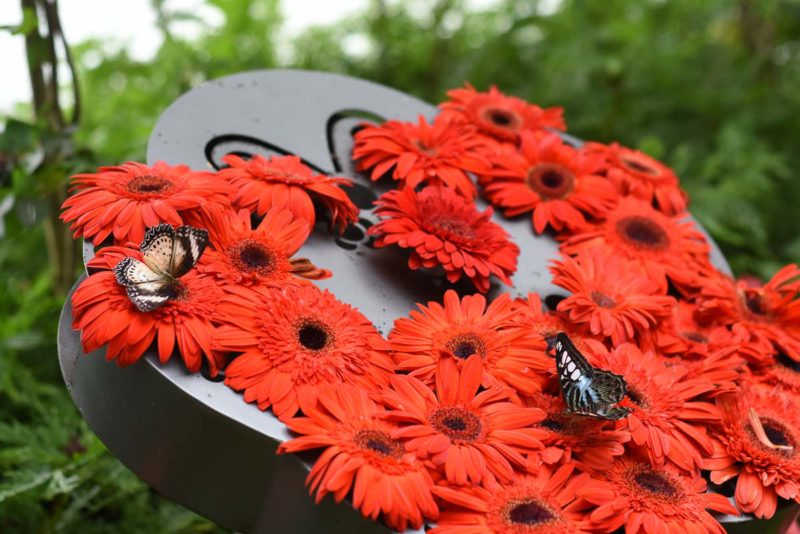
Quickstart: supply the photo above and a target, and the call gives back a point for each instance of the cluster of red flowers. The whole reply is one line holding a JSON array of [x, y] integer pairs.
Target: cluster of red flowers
[[457, 419]]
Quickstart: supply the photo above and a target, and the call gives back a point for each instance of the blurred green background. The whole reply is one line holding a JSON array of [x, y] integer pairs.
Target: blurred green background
[[708, 86]]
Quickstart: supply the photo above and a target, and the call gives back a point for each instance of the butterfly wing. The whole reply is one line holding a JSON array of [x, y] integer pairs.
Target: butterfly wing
[[188, 245], [575, 374], [146, 288], [157, 248], [588, 390]]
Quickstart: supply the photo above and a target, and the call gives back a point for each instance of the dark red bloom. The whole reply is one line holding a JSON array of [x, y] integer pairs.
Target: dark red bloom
[[444, 230]]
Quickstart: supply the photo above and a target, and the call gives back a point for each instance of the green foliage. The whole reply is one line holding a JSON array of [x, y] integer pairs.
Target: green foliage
[[708, 87]]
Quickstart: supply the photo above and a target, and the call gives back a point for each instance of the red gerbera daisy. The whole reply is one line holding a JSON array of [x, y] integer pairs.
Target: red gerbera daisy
[[590, 443], [559, 184], [105, 315], [283, 181], [498, 116], [360, 454], [294, 340], [471, 437], [547, 324], [544, 503], [445, 230], [784, 373], [770, 313], [512, 355], [247, 256], [759, 441], [682, 335], [123, 201], [638, 175], [665, 246], [439, 153], [666, 418], [642, 498], [610, 295]]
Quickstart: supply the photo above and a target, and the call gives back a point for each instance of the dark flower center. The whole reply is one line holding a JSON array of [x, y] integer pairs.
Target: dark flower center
[[551, 424], [655, 483], [776, 433], [465, 345], [636, 396], [602, 300], [551, 180], [754, 301], [148, 185], [501, 118], [642, 232], [785, 361], [638, 166], [313, 335], [697, 337], [528, 513], [252, 256], [379, 442], [456, 423]]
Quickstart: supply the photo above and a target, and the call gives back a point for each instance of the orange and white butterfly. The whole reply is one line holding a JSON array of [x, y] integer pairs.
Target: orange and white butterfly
[[168, 254]]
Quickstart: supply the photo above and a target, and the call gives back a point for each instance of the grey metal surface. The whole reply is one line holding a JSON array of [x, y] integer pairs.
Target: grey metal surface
[[193, 439]]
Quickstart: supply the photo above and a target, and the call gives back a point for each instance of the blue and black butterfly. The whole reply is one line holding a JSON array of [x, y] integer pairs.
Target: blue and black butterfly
[[168, 254], [587, 390]]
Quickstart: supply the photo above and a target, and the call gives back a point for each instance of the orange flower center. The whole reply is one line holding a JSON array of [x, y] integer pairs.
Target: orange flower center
[[149, 185], [313, 335], [642, 233], [602, 300], [456, 423], [697, 337], [635, 164], [378, 442], [528, 512], [252, 256], [655, 483], [551, 180], [465, 345], [501, 118]]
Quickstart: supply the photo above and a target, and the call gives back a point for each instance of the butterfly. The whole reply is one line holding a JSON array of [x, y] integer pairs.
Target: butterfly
[[588, 390], [168, 253]]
